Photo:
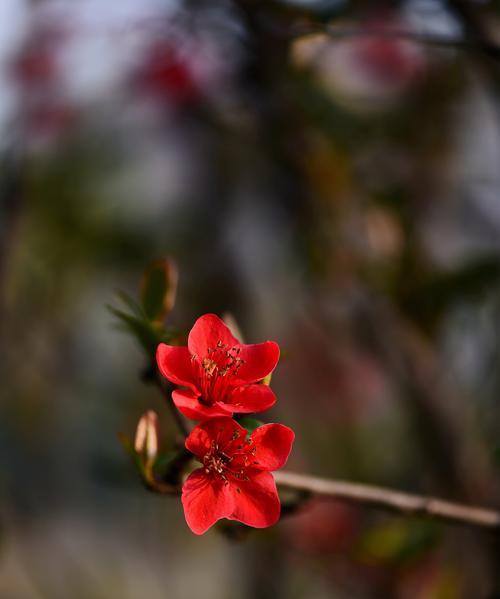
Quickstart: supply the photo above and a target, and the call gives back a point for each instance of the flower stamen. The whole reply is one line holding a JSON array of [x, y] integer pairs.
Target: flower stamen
[[215, 371]]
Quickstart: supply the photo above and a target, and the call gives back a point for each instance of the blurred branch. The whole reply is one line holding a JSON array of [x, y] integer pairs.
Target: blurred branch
[[390, 499], [475, 28], [405, 503], [428, 39], [10, 213], [477, 37]]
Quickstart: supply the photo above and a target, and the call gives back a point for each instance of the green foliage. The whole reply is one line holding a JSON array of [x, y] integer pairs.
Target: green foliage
[[158, 289], [148, 334], [397, 542], [145, 321], [163, 462], [128, 445], [250, 423]]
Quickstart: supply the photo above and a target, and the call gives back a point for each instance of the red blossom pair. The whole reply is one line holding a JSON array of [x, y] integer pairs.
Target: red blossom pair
[[221, 377]]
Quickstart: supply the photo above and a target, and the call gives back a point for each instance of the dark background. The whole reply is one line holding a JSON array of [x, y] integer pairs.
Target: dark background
[[326, 172]]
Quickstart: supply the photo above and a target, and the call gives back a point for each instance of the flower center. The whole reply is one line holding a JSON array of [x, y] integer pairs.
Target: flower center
[[216, 371], [232, 460], [217, 462]]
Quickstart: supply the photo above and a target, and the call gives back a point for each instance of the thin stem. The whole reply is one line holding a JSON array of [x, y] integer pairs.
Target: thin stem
[[340, 32], [428, 39], [391, 499], [179, 421], [396, 501]]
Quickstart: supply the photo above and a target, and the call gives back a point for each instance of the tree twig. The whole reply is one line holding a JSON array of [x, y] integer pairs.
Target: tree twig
[[473, 42], [343, 32], [405, 503], [151, 375], [475, 27], [382, 497], [11, 202], [176, 415]]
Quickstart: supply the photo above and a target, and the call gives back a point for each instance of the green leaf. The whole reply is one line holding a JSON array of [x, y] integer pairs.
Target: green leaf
[[144, 468], [126, 443], [267, 379], [128, 446], [250, 423], [398, 542], [133, 306], [162, 463], [158, 290], [144, 331]]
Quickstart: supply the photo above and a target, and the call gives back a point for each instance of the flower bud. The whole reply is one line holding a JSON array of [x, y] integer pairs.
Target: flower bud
[[146, 437]]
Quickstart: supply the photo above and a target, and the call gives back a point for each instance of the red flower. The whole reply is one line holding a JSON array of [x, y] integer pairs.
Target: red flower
[[220, 372], [235, 481], [167, 74]]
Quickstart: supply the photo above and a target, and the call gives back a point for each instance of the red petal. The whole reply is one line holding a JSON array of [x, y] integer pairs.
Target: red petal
[[251, 398], [221, 430], [256, 501], [205, 499], [206, 333], [187, 403], [175, 365], [273, 444], [259, 360]]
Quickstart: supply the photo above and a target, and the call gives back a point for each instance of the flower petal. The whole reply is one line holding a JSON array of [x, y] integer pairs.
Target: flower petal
[[256, 502], [273, 443], [251, 398], [258, 359], [205, 500], [207, 332], [175, 364], [223, 431], [188, 404]]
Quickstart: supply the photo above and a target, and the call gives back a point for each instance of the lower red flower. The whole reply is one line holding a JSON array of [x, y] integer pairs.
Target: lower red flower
[[235, 481]]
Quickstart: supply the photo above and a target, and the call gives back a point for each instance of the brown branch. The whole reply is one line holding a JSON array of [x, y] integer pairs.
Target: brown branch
[[405, 503], [477, 38], [151, 375], [475, 27], [343, 32], [11, 203], [176, 415], [396, 501]]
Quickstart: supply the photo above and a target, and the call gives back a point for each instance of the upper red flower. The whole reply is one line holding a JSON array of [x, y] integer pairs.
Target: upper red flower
[[220, 372], [235, 481]]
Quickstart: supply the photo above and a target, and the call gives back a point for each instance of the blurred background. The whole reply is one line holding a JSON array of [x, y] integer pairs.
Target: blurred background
[[327, 172]]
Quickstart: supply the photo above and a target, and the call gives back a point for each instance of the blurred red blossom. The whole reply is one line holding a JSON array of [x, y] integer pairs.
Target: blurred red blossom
[[235, 481], [368, 69], [323, 525], [386, 57], [165, 73], [37, 64], [35, 67], [221, 374], [49, 120], [37, 70]]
